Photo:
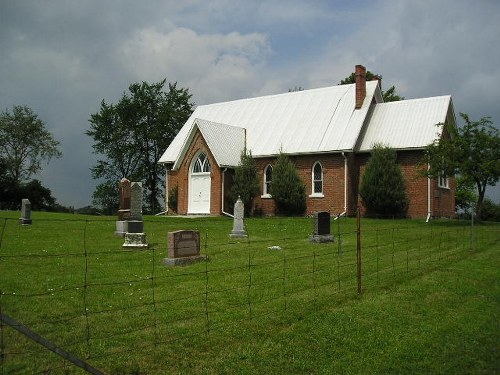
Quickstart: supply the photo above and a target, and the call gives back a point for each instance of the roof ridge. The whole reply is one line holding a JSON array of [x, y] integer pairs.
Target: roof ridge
[[274, 95]]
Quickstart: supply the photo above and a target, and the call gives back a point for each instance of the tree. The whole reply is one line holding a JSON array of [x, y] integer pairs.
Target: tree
[[246, 181], [389, 95], [287, 188], [471, 151], [133, 134], [173, 198], [465, 194], [40, 197], [105, 197], [383, 189], [24, 143]]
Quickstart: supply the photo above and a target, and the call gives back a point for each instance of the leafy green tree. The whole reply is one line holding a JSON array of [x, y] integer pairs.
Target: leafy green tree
[[105, 197], [471, 151], [173, 198], [133, 134], [287, 188], [465, 195], [383, 189], [24, 143], [490, 210], [389, 95], [40, 197], [9, 189], [246, 181]]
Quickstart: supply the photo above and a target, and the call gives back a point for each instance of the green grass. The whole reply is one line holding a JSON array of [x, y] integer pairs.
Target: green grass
[[429, 303]]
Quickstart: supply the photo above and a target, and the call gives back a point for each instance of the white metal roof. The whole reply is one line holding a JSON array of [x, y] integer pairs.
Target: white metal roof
[[309, 121], [225, 142], [407, 123]]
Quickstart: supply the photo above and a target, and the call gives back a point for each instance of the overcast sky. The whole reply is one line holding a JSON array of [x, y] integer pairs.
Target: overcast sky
[[61, 58]]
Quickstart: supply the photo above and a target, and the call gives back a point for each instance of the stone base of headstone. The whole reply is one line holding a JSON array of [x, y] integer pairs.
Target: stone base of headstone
[[170, 262], [23, 221], [121, 228], [135, 241], [238, 234], [321, 238]]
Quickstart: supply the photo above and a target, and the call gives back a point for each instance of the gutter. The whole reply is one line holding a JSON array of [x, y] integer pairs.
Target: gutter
[[222, 197]]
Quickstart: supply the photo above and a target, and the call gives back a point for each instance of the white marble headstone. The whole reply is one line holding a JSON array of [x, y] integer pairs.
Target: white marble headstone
[[238, 225]]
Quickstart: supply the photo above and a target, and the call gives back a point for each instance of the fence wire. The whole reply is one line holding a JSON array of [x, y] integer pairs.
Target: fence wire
[[72, 282]]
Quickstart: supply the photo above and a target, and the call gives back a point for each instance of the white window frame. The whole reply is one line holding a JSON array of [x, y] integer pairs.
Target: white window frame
[[315, 194], [443, 181], [266, 183], [203, 165]]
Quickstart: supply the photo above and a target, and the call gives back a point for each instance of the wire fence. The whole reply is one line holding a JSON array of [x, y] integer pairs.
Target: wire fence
[[73, 283]]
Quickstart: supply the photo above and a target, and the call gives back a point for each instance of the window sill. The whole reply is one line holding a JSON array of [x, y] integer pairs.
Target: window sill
[[316, 195], [266, 196], [444, 187]]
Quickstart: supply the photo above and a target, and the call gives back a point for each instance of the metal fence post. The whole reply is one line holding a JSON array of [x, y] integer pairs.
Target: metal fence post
[[358, 248]]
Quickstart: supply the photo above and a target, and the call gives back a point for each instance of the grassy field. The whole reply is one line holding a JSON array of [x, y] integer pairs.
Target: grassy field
[[430, 301]]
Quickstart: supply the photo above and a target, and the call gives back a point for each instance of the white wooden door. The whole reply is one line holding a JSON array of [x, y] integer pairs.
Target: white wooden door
[[199, 193]]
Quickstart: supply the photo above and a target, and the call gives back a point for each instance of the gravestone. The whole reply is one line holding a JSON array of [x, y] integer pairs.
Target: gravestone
[[183, 248], [25, 218], [124, 208], [321, 224], [135, 236], [136, 201], [124, 197], [238, 225]]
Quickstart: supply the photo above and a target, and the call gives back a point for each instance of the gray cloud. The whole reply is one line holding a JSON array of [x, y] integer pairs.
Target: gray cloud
[[62, 58]]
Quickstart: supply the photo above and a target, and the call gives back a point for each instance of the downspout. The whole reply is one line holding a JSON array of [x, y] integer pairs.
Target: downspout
[[223, 183], [345, 186], [429, 212], [166, 189]]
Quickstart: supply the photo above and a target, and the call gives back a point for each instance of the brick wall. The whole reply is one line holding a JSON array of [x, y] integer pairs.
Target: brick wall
[[417, 187], [442, 200], [181, 177], [333, 183]]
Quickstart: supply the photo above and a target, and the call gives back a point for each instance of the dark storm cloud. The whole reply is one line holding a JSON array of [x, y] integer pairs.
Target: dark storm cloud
[[62, 58]]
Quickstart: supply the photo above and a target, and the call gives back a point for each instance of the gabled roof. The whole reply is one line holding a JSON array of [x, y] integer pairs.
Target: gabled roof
[[302, 122], [407, 123], [225, 142]]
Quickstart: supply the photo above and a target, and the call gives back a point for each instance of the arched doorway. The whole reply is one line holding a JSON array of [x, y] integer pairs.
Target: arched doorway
[[199, 185]]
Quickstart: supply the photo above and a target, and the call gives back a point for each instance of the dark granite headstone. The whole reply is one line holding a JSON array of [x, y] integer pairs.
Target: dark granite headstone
[[321, 228], [322, 223]]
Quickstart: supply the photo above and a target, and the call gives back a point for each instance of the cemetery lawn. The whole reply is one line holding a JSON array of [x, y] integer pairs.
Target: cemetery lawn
[[432, 305]]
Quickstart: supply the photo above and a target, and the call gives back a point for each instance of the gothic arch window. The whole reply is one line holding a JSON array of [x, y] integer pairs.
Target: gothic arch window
[[201, 164], [317, 179], [268, 178]]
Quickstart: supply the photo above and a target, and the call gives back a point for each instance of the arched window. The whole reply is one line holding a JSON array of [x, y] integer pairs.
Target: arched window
[[201, 165], [317, 179], [268, 177]]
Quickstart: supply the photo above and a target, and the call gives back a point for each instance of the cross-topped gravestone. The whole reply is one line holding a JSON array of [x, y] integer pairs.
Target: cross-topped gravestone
[[25, 218], [238, 225]]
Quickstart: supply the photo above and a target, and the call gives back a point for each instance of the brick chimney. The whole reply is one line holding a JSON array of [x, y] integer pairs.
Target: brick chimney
[[360, 74]]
